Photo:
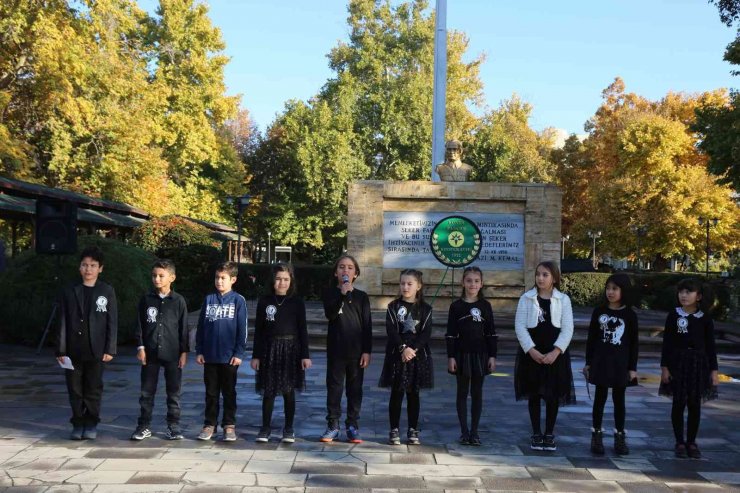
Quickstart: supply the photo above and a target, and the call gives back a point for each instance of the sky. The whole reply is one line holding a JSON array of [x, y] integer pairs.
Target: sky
[[558, 56]]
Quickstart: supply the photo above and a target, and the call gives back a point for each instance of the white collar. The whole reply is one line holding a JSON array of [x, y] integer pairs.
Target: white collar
[[682, 313], [532, 293]]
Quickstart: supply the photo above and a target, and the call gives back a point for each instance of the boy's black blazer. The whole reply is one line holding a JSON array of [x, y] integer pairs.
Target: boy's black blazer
[[103, 320]]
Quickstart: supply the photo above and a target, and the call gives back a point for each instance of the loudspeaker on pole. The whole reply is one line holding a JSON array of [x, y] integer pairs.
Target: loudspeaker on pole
[[56, 226]]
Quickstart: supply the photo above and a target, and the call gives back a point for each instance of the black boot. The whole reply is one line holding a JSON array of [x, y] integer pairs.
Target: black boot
[[620, 443], [597, 442]]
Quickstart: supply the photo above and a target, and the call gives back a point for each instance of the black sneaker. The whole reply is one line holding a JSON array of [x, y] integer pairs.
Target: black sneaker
[[548, 443], [394, 437], [413, 436], [464, 438], [288, 435], [475, 440], [620, 443], [76, 433], [173, 433], [141, 433], [264, 435], [536, 443], [597, 442]]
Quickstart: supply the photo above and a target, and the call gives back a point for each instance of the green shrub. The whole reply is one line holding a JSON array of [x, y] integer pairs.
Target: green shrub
[[654, 290], [311, 280], [168, 232], [194, 264], [29, 287]]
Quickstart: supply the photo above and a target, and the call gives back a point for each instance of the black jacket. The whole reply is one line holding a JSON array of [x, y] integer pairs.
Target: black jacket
[[102, 319], [162, 325], [350, 323]]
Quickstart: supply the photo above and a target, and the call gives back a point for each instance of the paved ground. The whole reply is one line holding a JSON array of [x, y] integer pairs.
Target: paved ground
[[35, 455]]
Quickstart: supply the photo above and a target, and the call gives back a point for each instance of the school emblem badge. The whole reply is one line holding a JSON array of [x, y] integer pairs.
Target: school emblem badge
[[682, 324], [151, 314], [271, 311], [475, 313], [402, 313], [101, 304]]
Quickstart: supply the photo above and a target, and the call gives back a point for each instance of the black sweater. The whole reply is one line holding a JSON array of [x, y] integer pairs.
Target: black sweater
[[350, 323], [470, 328], [688, 331], [280, 316], [409, 324], [613, 334]]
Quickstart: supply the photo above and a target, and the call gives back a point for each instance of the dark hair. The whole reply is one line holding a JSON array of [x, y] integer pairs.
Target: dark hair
[[624, 283], [283, 267], [695, 285], [466, 271], [166, 264], [419, 276], [554, 270], [354, 261], [94, 253], [229, 267]]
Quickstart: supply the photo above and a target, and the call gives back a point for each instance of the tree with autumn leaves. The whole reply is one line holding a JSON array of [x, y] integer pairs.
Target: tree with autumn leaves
[[641, 167]]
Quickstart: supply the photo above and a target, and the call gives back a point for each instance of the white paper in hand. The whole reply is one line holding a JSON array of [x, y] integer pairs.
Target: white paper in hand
[[66, 363]]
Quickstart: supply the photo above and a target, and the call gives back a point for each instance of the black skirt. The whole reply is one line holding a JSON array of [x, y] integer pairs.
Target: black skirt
[[532, 379], [280, 370], [691, 378], [410, 377], [471, 365], [610, 368]]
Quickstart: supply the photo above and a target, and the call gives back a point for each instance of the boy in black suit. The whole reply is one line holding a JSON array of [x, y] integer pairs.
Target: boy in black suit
[[87, 335]]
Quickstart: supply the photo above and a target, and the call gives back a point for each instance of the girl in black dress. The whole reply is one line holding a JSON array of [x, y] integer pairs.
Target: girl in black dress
[[280, 356], [471, 350], [544, 328], [408, 361], [611, 358], [689, 362]]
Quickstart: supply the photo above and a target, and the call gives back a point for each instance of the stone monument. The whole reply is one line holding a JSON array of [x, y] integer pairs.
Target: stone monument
[[389, 226]]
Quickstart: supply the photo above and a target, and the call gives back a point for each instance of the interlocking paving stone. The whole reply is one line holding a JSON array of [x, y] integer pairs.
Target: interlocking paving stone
[[44, 458]]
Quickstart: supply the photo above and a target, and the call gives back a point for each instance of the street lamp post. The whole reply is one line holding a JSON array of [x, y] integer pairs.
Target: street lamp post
[[269, 238], [241, 204], [562, 250], [707, 221], [593, 235], [639, 231]]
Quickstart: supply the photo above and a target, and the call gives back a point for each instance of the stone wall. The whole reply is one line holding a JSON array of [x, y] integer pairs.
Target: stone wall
[[368, 200]]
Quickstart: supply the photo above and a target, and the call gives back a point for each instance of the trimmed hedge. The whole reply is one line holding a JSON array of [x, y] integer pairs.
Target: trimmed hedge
[[168, 232], [28, 287], [655, 291]]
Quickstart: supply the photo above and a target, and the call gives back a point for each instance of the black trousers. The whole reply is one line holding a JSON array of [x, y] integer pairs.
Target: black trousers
[[618, 394], [173, 384], [85, 388], [338, 373], [220, 380], [413, 406]]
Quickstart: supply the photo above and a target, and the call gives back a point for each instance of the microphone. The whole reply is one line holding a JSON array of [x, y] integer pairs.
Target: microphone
[[345, 280]]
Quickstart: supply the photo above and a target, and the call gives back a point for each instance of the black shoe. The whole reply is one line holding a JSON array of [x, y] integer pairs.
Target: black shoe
[[693, 451], [464, 438], [680, 451], [597, 442], [548, 443], [413, 436], [475, 440], [141, 433], [264, 435], [536, 443], [620, 443], [76, 433], [288, 435], [394, 437], [173, 432]]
